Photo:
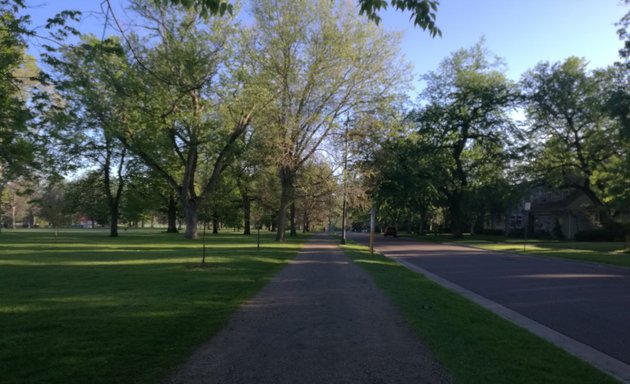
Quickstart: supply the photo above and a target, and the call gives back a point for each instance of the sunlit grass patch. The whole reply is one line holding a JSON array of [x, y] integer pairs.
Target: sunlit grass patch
[[607, 253], [86, 308], [599, 252]]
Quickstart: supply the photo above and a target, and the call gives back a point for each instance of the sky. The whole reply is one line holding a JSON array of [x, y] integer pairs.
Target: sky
[[522, 32]]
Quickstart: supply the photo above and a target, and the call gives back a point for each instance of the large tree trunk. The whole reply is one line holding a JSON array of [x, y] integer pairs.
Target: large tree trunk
[[1, 192], [172, 215], [286, 181], [215, 225], [191, 208], [247, 204], [293, 231], [282, 216], [305, 222], [456, 214], [113, 198], [113, 229]]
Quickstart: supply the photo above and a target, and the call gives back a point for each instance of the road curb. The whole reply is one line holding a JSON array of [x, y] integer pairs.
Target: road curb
[[608, 364]]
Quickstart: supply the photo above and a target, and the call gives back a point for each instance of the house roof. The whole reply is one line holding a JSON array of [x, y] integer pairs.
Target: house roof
[[569, 202]]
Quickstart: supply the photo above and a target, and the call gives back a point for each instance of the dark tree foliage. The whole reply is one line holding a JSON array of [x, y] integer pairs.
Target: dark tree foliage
[[15, 148], [623, 30], [466, 121], [423, 12], [569, 126]]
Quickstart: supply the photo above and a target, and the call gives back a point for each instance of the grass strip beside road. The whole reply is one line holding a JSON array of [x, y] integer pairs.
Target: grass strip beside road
[[597, 252], [86, 308], [472, 343]]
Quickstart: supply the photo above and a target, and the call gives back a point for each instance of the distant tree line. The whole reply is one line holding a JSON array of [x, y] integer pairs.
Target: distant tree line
[[188, 117]]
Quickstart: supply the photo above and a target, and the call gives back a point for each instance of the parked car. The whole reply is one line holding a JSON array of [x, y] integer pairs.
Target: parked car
[[390, 231]]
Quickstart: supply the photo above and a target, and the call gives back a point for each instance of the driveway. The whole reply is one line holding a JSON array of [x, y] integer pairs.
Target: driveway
[[587, 302]]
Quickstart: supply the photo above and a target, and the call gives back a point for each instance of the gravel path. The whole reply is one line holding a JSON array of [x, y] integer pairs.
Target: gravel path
[[320, 320]]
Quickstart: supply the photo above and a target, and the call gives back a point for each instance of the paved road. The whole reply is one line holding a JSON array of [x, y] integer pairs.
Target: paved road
[[320, 320], [587, 302]]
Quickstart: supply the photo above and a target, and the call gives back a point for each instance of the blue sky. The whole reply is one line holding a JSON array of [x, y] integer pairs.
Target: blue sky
[[523, 32]]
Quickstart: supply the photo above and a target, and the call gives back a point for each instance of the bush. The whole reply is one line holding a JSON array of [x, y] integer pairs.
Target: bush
[[516, 232], [520, 233], [598, 234], [556, 232], [540, 234]]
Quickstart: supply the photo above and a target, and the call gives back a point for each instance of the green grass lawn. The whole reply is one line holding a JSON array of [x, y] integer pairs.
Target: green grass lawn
[[473, 344], [86, 308], [599, 252]]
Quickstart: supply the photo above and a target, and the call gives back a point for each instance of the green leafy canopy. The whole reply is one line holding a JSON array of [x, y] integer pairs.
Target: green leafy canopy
[[423, 12]]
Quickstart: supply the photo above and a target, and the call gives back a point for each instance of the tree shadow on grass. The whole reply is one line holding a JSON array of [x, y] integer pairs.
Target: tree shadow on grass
[[93, 314]]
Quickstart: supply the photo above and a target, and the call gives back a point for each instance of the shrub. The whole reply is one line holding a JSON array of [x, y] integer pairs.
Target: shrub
[[520, 233], [598, 234], [556, 232], [494, 232]]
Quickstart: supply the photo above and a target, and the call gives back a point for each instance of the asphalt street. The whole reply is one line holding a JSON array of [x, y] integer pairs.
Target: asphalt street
[[320, 320], [584, 301]]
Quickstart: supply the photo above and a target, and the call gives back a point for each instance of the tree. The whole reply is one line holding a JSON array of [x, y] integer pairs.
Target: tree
[[16, 202], [93, 112], [423, 12], [185, 93], [623, 31], [618, 107], [148, 194], [319, 62], [26, 142], [315, 190], [572, 128], [52, 208], [223, 206], [570, 131], [406, 179], [86, 196], [254, 157], [16, 146], [465, 122]]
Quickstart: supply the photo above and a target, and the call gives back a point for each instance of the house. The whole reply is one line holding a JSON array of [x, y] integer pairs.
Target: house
[[571, 209], [568, 209]]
